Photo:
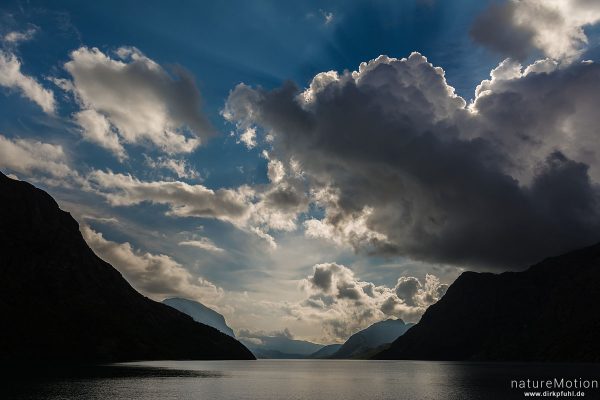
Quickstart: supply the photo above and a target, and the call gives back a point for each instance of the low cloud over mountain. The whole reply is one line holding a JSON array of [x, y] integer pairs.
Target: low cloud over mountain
[[343, 304]]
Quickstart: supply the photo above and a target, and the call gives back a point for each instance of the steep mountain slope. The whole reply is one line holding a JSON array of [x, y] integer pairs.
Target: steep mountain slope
[[60, 302], [376, 335], [550, 312], [200, 313]]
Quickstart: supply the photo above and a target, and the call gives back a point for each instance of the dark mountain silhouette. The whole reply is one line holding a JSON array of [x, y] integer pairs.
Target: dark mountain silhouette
[[200, 313], [60, 302], [362, 343], [325, 351], [550, 312]]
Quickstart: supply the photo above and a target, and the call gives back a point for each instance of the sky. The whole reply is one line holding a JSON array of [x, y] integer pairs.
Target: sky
[[308, 168]]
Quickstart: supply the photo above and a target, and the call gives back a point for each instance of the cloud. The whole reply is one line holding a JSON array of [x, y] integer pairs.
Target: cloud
[[328, 16], [257, 210], [38, 160], [407, 288], [180, 167], [15, 37], [248, 137], [401, 165], [280, 205], [184, 200], [155, 275], [550, 109], [204, 244], [104, 220], [96, 129], [494, 28], [11, 77], [554, 27], [270, 240], [344, 304], [275, 171], [260, 336], [141, 102]]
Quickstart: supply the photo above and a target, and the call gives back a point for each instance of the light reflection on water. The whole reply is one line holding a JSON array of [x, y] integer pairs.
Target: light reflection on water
[[284, 379]]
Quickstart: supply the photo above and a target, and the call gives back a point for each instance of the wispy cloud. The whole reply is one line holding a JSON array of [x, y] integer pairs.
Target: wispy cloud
[[328, 16], [204, 244], [156, 275], [11, 77], [15, 37]]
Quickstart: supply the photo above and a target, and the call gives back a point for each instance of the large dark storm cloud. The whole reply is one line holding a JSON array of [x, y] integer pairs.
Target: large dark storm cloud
[[495, 29], [518, 28], [401, 165]]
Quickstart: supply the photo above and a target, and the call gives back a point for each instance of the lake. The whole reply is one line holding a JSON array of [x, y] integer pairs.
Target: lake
[[286, 379]]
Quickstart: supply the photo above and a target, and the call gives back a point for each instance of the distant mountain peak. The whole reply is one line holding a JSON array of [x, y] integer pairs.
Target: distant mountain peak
[[390, 320], [281, 345], [200, 313], [376, 335]]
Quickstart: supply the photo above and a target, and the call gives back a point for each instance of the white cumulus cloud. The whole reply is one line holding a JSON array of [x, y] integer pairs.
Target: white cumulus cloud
[[141, 101], [343, 304]]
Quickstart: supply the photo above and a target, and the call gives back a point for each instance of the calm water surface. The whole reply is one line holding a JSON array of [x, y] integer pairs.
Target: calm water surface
[[285, 379]]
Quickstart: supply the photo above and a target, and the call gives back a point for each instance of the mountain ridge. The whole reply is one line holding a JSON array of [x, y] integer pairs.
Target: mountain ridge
[[374, 336], [549, 312], [62, 302], [326, 351]]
